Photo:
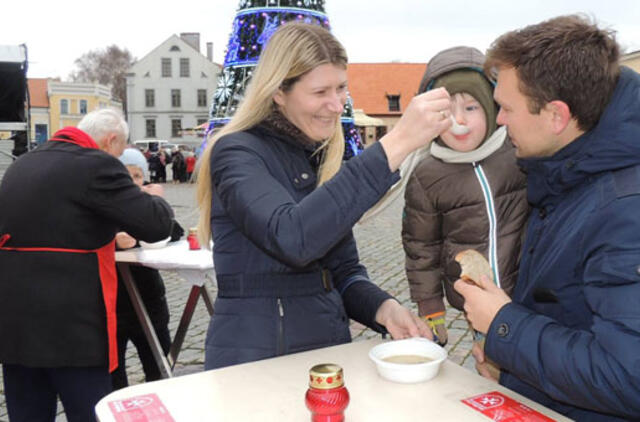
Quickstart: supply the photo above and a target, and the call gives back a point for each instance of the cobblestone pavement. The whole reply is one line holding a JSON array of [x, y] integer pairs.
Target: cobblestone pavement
[[380, 250]]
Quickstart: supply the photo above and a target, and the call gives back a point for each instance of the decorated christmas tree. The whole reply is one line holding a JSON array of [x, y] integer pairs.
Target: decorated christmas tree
[[255, 22]]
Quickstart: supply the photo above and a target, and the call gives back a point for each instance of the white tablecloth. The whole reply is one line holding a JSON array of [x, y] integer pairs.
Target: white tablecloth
[[274, 389], [173, 256], [194, 265]]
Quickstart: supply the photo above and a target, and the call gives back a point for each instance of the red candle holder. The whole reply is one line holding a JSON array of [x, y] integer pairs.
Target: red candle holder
[[192, 238], [327, 397]]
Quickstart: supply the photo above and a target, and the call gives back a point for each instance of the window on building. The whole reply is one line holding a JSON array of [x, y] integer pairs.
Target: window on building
[[83, 106], [64, 107], [166, 67], [175, 98], [380, 132], [149, 98], [150, 125], [202, 98], [184, 67], [174, 48], [42, 133], [394, 102], [201, 121], [176, 128]]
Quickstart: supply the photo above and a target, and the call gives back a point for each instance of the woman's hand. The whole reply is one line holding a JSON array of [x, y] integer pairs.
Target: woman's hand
[[400, 322], [426, 117], [124, 241]]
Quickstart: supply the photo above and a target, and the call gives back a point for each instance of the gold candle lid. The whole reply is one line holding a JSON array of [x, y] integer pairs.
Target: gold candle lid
[[326, 376]]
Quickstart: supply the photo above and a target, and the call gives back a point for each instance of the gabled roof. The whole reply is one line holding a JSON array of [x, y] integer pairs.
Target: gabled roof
[[370, 83], [630, 55], [38, 92], [144, 63]]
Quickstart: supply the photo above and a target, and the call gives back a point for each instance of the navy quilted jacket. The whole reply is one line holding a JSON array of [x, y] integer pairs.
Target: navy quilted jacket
[[571, 338], [274, 232]]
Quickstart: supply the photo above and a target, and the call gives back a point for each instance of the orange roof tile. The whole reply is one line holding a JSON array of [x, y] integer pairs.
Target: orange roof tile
[[369, 84], [38, 92]]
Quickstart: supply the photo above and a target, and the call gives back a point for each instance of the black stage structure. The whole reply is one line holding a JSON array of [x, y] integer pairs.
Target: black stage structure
[[14, 97]]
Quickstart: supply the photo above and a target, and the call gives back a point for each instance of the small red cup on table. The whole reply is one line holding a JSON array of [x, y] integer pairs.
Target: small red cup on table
[[327, 397]]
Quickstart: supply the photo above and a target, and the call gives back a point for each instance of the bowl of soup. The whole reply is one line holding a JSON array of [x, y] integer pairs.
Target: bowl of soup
[[408, 361]]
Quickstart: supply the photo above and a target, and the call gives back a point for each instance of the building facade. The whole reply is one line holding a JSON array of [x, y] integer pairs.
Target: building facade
[[169, 90], [70, 101], [632, 60], [39, 101], [383, 91]]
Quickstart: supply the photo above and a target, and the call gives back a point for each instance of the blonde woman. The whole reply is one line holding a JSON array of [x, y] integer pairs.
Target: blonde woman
[[280, 205]]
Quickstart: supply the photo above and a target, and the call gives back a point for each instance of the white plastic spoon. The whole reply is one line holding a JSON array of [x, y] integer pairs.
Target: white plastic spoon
[[456, 128]]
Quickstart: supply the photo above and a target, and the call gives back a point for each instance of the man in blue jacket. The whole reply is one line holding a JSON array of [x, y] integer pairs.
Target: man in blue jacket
[[569, 337]]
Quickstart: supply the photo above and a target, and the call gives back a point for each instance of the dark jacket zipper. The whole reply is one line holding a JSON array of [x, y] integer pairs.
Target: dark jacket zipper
[[280, 350]]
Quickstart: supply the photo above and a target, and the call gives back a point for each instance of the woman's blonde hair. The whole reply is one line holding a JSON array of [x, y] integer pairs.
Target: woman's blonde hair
[[294, 50]]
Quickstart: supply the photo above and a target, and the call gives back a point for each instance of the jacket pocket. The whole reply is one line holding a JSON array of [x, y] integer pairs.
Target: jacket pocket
[[243, 323]]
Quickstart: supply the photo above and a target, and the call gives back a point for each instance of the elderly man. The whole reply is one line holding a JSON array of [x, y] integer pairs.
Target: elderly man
[[570, 336], [61, 206]]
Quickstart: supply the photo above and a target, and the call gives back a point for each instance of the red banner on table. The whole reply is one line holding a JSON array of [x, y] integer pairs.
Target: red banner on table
[[146, 408], [499, 407]]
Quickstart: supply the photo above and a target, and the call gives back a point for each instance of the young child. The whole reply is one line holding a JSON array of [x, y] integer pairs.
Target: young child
[[151, 288], [468, 194]]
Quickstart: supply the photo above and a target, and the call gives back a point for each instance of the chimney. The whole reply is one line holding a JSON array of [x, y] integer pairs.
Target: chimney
[[210, 51], [191, 38]]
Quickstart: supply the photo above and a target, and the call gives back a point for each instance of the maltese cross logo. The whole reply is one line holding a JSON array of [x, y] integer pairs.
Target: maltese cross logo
[[489, 401]]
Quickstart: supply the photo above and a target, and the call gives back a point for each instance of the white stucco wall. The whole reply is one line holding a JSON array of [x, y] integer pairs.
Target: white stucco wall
[[146, 74]]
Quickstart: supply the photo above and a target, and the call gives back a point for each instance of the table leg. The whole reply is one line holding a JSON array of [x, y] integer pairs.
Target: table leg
[[207, 299], [145, 322], [185, 320]]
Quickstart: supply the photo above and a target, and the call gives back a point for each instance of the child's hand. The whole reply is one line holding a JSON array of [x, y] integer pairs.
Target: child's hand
[[484, 366], [441, 332], [433, 312], [438, 325]]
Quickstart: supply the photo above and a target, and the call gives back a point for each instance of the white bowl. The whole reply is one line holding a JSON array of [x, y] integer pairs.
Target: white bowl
[[408, 372], [155, 245]]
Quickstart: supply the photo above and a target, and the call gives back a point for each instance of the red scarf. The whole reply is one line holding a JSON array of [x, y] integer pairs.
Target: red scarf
[[74, 136]]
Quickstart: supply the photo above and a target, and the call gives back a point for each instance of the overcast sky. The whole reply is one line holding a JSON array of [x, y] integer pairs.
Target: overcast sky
[[58, 32]]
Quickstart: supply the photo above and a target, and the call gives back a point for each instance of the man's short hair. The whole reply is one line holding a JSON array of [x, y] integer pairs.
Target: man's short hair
[[101, 122], [567, 58]]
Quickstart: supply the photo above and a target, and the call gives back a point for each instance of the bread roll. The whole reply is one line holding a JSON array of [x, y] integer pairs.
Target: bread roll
[[473, 265]]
